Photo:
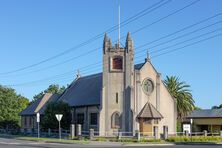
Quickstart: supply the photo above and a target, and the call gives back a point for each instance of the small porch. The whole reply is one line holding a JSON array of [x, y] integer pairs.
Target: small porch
[[148, 119]]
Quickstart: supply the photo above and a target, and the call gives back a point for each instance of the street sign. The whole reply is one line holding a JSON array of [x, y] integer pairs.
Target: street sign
[[38, 120], [59, 117], [38, 117], [186, 127]]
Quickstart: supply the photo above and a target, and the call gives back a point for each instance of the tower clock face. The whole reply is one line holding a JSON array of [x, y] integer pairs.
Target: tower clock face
[[148, 86]]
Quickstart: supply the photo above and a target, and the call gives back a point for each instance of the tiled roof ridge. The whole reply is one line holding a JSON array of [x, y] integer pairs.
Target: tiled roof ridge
[[44, 99], [150, 109]]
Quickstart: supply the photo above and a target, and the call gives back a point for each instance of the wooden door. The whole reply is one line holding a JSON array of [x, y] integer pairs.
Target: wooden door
[[145, 127]]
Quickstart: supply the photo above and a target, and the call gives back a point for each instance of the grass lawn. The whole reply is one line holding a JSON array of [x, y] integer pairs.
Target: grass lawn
[[176, 140], [53, 140]]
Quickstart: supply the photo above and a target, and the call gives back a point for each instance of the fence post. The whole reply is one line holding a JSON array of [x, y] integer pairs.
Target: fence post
[[72, 131], [119, 135], [186, 133], [205, 133], [138, 135], [155, 132], [165, 132], [49, 132], [79, 130], [91, 134], [6, 129]]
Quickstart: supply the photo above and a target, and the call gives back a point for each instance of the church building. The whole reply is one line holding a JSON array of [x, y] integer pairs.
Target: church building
[[124, 97]]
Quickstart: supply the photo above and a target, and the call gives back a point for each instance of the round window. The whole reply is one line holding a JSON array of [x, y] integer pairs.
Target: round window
[[148, 86]]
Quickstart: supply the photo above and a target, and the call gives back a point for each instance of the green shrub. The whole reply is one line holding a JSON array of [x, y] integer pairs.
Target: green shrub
[[127, 140], [149, 140], [195, 139], [101, 139]]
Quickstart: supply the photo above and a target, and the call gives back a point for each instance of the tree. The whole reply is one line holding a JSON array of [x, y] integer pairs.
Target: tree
[[49, 120], [53, 88], [11, 104], [197, 108], [217, 107], [181, 92]]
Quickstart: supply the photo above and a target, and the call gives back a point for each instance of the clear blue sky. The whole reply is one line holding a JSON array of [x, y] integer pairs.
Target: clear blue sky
[[32, 31]]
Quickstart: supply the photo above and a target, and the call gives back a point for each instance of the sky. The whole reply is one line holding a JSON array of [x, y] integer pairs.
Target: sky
[[46, 41]]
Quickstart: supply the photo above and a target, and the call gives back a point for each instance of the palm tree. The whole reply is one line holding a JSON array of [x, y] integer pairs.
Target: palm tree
[[181, 92], [217, 107]]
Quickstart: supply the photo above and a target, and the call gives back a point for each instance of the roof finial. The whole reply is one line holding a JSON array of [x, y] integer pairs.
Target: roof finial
[[148, 55], [78, 74]]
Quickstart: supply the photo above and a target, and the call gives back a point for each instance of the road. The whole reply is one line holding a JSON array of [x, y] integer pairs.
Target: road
[[12, 143]]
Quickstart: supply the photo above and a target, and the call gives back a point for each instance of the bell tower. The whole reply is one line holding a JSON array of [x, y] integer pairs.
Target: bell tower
[[117, 93]]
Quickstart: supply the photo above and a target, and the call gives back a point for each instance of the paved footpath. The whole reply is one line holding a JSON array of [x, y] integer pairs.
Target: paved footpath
[[12, 143]]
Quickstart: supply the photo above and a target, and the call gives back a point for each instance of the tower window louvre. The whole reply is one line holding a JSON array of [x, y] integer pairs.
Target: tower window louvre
[[117, 63]]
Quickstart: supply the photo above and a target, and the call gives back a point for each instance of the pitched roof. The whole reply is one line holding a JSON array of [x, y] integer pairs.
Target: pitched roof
[[149, 111], [84, 91], [39, 104], [53, 98], [206, 113], [139, 66]]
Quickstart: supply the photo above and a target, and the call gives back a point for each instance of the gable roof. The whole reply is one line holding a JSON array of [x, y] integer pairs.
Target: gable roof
[[53, 98], [39, 104], [206, 113], [139, 66], [149, 111], [85, 91]]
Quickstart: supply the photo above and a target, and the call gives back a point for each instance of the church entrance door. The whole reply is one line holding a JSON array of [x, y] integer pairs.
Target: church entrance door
[[146, 127]]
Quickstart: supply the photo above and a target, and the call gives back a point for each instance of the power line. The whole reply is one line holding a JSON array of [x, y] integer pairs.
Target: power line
[[194, 43], [90, 40], [181, 36], [177, 11], [183, 29], [196, 37], [178, 31]]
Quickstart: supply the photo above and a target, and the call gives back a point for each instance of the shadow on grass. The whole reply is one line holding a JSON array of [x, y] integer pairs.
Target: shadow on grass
[[8, 136]]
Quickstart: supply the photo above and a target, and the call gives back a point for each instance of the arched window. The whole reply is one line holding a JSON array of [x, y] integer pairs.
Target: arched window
[[116, 120]]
